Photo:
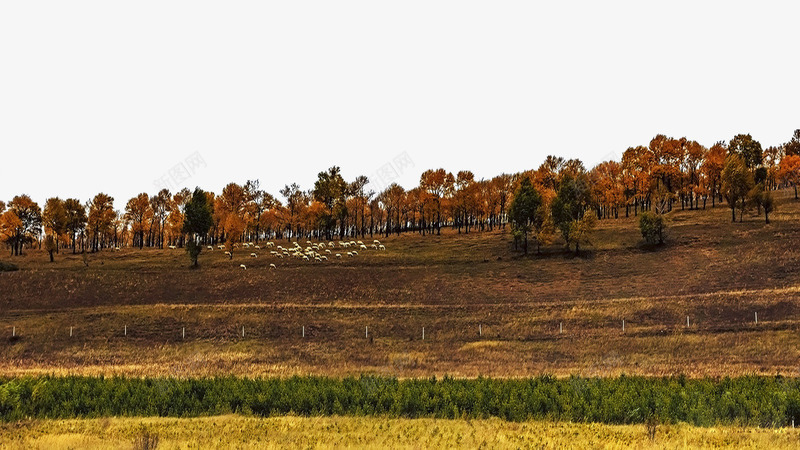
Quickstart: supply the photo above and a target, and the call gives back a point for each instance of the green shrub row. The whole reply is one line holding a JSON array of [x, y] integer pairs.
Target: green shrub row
[[751, 400]]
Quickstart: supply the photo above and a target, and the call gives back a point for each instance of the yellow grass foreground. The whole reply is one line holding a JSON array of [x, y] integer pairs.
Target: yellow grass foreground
[[336, 432]]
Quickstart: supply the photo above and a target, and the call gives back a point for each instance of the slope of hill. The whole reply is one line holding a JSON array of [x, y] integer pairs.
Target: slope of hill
[[485, 308]]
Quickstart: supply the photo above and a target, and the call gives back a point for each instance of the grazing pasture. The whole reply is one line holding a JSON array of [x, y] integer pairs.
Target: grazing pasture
[[486, 309]]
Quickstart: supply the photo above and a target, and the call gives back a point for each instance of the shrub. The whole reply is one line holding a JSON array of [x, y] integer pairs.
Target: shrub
[[653, 227]]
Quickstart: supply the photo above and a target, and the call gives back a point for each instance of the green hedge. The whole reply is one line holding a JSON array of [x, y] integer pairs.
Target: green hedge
[[751, 400]]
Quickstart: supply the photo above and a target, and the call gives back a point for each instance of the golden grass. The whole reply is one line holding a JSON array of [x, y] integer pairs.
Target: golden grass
[[345, 432]]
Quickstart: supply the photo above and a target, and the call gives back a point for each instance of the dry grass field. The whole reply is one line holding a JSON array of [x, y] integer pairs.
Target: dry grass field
[[361, 432], [718, 273]]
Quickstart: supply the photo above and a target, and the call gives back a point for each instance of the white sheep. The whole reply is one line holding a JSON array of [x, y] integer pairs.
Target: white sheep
[[227, 253], [362, 247], [317, 259], [253, 255], [338, 255], [243, 266], [258, 247], [279, 255], [324, 258], [355, 253], [350, 254], [221, 247], [374, 246], [360, 243], [328, 252], [376, 241], [272, 266], [211, 247], [305, 258], [172, 247], [382, 247]]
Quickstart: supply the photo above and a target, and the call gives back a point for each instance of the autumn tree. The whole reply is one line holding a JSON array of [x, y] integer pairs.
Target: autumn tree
[[692, 160], [711, 170], [789, 171], [361, 197], [24, 224], [101, 216], [439, 184], [138, 212], [608, 185], [161, 204], [259, 202], [75, 219], [176, 216], [54, 219], [198, 220], [525, 213], [232, 205], [294, 201], [772, 158], [393, 198], [461, 199], [50, 246], [637, 166], [737, 181], [9, 229]]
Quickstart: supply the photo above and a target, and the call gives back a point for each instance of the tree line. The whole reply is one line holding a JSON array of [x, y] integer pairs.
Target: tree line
[[559, 198]]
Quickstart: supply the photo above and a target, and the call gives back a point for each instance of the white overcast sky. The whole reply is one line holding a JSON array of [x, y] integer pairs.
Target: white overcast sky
[[111, 96]]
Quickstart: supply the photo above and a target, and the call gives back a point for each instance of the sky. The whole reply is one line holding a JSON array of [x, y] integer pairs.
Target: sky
[[129, 97]]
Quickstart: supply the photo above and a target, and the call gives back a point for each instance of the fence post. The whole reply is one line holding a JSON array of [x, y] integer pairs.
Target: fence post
[[423, 333], [560, 327]]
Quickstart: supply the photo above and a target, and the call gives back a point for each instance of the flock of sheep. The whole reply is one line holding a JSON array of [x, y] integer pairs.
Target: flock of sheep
[[319, 252]]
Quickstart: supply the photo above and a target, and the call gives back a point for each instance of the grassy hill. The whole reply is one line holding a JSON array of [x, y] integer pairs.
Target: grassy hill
[[486, 309]]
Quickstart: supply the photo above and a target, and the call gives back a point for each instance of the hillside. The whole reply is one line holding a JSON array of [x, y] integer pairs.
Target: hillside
[[486, 309]]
